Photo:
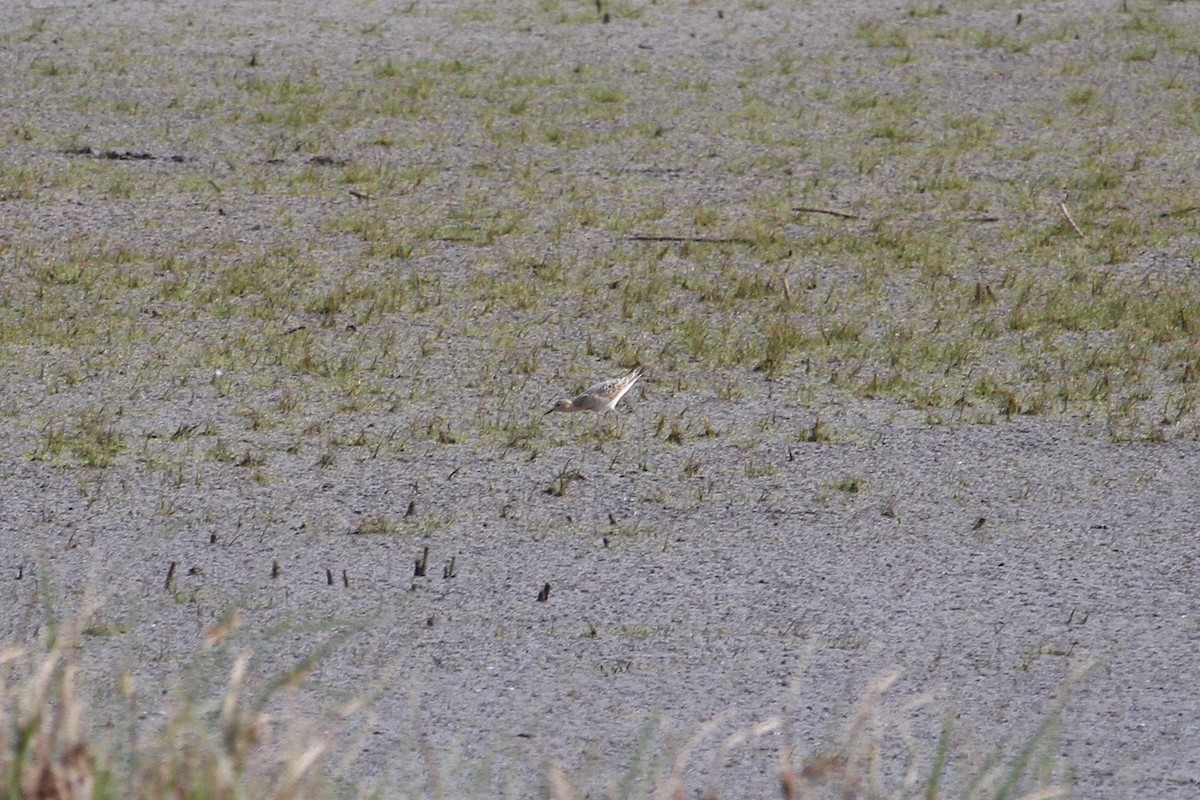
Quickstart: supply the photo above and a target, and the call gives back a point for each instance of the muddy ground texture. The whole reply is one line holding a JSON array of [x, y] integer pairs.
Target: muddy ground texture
[[285, 289]]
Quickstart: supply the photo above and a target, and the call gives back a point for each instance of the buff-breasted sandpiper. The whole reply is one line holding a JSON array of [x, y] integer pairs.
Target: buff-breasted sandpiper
[[601, 397]]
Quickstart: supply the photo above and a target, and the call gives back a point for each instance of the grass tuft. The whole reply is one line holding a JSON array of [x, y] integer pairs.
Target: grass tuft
[[232, 749]]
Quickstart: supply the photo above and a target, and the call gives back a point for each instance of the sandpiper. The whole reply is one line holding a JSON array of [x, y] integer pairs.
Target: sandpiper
[[601, 397]]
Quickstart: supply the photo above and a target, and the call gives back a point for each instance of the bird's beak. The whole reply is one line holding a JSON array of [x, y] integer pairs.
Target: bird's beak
[[551, 411]]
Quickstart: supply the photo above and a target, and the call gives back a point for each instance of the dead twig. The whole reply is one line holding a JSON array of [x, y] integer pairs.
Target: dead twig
[[828, 211], [1067, 214], [1179, 212], [649, 237]]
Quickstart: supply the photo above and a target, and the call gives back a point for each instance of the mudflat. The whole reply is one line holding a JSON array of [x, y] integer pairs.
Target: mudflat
[[286, 289]]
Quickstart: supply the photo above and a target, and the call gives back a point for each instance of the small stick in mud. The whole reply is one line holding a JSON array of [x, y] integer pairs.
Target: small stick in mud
[[650, 237], [827, 211]]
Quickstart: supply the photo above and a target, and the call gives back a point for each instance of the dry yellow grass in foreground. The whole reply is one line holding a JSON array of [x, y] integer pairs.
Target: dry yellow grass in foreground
[[233, 748]]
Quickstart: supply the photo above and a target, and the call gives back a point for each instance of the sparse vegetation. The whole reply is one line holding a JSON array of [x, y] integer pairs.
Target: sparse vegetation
[[286, 282]]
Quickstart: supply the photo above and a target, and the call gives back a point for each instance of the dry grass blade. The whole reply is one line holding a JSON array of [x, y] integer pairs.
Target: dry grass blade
[[1049, 793], [561, 787], [674, 788], [1070, 219], [44, 745], [298, 768], [60, 765]]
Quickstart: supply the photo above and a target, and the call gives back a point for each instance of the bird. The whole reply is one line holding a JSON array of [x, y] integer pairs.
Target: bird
[[601, 397]]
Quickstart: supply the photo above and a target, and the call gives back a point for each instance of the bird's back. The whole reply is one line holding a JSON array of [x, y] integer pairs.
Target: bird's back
[[605, 395]]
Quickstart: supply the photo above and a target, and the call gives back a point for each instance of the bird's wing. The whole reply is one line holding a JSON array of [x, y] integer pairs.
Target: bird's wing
[[619, 387]]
